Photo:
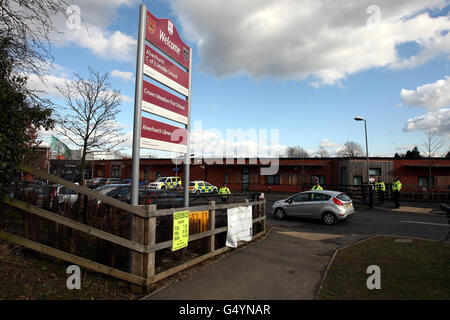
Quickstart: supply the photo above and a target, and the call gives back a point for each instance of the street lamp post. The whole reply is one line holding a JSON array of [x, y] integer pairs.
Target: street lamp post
[[367, 147]]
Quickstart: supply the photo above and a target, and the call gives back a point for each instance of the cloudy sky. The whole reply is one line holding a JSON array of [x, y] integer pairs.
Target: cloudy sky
[[288, 72]]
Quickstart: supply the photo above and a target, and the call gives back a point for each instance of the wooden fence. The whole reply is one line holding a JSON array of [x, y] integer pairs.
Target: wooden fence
[[143, 226]]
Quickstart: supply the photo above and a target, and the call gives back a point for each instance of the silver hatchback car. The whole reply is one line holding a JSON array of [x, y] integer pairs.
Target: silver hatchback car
[[330, 206]]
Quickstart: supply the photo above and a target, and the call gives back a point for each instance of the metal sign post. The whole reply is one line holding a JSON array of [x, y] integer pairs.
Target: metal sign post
[[154, 99], [137, 108], [187, 161]]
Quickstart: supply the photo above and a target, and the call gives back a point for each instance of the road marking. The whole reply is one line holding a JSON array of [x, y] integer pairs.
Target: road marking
[[413, 209], [311, 236], [429, 223]]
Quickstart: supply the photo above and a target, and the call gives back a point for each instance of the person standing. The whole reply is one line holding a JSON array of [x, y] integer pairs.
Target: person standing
[[396, 188], [317, 185], [224, 192], [380, 188]]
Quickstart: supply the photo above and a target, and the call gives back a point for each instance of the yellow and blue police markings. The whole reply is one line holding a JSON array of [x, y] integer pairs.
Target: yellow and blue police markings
[[202, 187], [172, 182]]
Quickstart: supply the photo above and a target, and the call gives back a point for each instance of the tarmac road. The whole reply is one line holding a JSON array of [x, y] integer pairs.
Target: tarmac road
[[367, 221]]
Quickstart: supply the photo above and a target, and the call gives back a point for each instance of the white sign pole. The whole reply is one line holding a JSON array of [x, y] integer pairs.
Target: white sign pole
[[137, 108], [187, 159]]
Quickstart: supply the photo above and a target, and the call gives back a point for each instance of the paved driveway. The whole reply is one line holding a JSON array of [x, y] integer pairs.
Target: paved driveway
[[290, 262], [285, 265]]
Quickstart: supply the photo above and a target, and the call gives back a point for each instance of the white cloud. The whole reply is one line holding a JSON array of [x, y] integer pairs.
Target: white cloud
[[46, 135], [93, 32], [124, 75], [436, 98], [437, 121], [47, 85], [431, 96], [325, 40], [235, 143], [328, 144]]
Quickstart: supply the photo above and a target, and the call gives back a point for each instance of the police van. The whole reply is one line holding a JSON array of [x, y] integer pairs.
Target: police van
[[166, 183], [199, 186]]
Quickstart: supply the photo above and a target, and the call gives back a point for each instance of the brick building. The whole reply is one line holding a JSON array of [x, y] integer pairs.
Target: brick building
[[245, 174]]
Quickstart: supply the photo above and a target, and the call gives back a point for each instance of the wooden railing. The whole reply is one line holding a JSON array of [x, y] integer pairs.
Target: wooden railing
[[142, 273]]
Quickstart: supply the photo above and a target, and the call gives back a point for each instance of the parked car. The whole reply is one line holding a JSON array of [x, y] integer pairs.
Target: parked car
[[63, 194], [200, 186], [128, 181], [330, 206], [164, 183], [161, 198], [98, 182]]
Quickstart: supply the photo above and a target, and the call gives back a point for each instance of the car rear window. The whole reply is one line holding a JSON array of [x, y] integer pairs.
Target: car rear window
[[320, 197], [343, 197]]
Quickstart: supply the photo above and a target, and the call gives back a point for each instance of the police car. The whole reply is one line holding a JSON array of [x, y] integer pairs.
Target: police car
[[199, 186], [166, 183]]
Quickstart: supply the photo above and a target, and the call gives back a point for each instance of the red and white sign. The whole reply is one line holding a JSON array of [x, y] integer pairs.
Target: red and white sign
[[162, 136], [162, 103], [164, 71], [163, 34]]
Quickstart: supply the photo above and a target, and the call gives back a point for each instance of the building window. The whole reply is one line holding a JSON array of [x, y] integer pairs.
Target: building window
[[321, 179], [343, 175], [275, 179], [375, 171], [115, 171], [423, 182], [225, 178], [357, 180]]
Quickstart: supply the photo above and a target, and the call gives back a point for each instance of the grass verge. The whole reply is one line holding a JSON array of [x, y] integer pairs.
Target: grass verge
[[419, 269]]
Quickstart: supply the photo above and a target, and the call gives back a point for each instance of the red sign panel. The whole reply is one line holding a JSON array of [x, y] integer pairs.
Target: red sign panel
[[163, 103], [163, 34], [164, 71], [162, 136]]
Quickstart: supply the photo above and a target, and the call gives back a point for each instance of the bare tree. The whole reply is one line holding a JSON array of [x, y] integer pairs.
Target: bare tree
[[432, 144], [351, 149], [296, 152], [28, 25], [322, 153], [88, 120]]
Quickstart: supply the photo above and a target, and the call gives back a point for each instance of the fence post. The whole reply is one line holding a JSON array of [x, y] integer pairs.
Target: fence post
[[364, 194], [137, 258], [370, 197], [264, 214], [149, 240], [212, 227]]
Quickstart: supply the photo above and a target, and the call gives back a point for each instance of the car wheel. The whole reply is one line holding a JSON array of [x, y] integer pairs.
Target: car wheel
[[177, 188], [329, 218], [163, 187], [197, 192], [280, 214]]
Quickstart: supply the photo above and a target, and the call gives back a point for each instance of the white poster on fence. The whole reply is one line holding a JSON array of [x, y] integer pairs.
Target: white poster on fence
[[239, 225]]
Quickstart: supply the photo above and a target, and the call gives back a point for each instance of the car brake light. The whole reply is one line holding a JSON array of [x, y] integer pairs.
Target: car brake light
[[338, 202], [149, 200]]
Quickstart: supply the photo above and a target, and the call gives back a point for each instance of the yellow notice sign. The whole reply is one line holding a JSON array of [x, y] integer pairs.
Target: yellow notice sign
[[180, 230]]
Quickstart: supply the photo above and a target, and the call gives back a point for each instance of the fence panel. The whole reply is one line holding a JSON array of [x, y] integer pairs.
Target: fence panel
[[132, 243]]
